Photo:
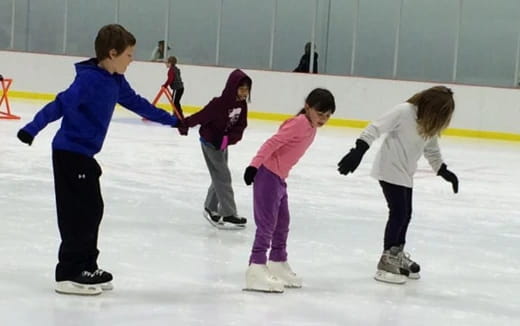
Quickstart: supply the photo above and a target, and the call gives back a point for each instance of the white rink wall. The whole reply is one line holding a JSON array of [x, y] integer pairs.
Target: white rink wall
[[478, 108]]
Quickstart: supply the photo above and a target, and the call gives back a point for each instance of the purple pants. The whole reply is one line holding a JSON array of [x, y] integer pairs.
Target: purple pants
[[271, 217]]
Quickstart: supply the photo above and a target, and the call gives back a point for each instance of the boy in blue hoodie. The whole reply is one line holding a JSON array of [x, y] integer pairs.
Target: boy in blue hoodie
[[86, 109], [222, 123]]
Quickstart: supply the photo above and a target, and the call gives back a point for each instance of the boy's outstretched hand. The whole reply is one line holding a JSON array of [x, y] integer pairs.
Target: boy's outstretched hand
[[182, 126], [183, 129], [25, 137], [249, 174], [449, 176]]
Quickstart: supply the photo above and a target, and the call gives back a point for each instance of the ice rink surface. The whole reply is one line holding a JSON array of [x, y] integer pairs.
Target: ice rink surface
[[171, 267]]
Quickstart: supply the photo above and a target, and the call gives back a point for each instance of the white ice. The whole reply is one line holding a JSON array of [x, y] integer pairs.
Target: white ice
[[171, 267]]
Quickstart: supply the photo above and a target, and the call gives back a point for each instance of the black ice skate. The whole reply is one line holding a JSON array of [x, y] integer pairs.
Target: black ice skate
[[83, 284], [224, 222], [86, 283]]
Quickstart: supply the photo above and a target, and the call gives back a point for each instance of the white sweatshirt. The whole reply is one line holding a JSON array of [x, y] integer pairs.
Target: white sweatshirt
[[396, 161]]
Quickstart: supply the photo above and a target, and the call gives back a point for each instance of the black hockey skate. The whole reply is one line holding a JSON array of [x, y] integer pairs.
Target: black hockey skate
[[224, 222]]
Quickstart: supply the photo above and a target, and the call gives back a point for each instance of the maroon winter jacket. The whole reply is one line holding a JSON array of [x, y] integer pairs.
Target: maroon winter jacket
[[223, 115]]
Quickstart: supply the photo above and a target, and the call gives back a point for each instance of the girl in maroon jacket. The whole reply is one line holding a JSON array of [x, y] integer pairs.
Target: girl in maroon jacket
[[222, 122]]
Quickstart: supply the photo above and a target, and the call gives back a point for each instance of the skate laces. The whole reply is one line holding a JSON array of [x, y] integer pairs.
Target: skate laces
[[392, 259], [405, 258], [87, 274], [98, 272]]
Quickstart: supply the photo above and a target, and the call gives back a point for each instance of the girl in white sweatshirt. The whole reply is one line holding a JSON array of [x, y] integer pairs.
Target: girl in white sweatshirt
[[412, 130]]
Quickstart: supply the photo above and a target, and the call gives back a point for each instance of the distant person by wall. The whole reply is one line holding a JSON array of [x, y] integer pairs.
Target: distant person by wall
[[175, 82], [305, 60], [158, 52]]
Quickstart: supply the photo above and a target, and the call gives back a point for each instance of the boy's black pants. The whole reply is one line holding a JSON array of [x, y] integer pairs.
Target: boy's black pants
[[177, 94], [399, 201], [79, 207]]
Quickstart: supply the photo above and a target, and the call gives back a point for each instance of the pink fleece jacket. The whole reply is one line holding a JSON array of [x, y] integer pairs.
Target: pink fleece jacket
[[285, 148]]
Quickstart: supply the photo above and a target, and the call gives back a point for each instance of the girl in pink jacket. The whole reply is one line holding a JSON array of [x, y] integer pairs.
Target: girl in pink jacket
[[268, 170]]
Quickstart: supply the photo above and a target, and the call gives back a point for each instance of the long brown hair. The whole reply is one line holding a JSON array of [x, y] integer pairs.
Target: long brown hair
[[435, 108]]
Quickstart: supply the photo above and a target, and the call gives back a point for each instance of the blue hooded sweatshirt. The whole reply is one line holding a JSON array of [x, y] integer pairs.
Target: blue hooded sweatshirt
[[87, 107]]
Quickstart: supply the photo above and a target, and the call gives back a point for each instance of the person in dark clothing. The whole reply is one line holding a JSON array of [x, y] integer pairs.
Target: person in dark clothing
[[175, 82], [86, 109], [305, 60], [222, 123], [159, 53]]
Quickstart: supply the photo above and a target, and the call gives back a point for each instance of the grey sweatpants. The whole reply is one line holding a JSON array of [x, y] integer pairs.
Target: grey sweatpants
[[220, 197]]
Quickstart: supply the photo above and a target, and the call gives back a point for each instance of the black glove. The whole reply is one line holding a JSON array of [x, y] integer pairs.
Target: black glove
[[249, 174], [449, 176], [350, 162], [25, 137]]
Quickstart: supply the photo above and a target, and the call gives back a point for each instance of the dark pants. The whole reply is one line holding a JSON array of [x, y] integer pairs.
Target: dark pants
[[399, 201], [177, 94], [79, 208]]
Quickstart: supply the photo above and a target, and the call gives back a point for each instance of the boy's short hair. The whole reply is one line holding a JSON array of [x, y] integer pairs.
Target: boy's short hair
[[112, 36], [172, 60]]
